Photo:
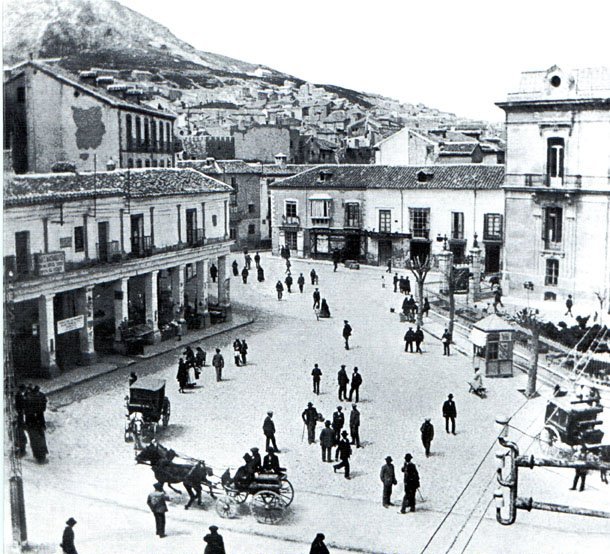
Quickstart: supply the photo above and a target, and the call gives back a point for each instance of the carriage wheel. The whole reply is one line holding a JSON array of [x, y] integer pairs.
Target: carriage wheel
[[286, 491], [128, 432], [166, 411], [226, 507], [237, 496], [268, 507], [547, 438]]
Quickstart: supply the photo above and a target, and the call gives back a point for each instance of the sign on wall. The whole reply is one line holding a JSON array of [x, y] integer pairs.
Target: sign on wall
[[50, 264], [70, 324], [65, 242]]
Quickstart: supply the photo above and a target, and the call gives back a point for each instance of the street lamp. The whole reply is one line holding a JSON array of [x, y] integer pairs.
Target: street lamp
[[528, 286]]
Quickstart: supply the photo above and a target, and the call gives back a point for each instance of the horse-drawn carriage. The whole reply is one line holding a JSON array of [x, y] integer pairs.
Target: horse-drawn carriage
[[146, 405], [271, 493]]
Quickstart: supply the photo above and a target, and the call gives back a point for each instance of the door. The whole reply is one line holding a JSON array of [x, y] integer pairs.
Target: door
[[102, 241], [352, 247], [22, 252], [385, 251], [137, 233], [191, 226], [492, 258]]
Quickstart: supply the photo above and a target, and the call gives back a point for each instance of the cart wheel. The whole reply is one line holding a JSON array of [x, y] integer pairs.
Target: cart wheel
[[237, 496], [128, 434], [286, 491], [548, 439], [166, 411], [226, 507], [268, 507]]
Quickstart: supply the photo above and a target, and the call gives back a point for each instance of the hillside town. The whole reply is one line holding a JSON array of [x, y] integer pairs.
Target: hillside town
[[194, 272]]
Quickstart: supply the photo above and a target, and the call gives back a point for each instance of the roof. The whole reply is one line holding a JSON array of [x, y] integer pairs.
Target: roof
[[493, 323], [98, 92], [29, 189], [456, 148], [287, 169], [220, 167], [354, 176], [324, 144], [148, 383]]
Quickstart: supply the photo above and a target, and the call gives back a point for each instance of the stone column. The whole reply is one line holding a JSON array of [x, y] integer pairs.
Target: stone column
[[224, 284], [475, 269], [202, 290], [84, 307], [152, 303], [46, 325], [177, 280], [445, 260], [121, 310]]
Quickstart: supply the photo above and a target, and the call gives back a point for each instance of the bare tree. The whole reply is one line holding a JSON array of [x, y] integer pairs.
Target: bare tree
[[420, 267], [601, 298], [529, 319]]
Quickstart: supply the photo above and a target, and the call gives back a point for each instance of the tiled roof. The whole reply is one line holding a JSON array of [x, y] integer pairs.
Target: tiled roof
[[20, 190], [221, 167], [457, 148], [325, 144], [452, 177], [286, 170]]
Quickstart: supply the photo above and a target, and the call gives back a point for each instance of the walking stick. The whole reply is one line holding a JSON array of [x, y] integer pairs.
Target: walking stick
[[421, 495], [303, 433]]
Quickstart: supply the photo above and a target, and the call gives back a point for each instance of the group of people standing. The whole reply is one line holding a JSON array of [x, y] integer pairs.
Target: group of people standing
[[245, 272], [189, 368], [30, 407]]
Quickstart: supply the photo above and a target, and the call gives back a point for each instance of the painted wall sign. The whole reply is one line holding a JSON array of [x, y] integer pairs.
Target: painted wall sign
[[70, 324], [50, 264]]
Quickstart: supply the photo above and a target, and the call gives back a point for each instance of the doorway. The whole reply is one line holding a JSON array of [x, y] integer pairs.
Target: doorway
[[352, 247], [102, 241], [492, 258], [384, 251]]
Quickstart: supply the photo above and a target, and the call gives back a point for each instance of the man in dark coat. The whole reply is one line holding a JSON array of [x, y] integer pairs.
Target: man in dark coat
[[338, 423], [257, 259], [354, 425], [156, 503], [395, 281], [336, 259], [419, 338], [409, 338], [446, 340], [310, 418], [257, 463], [248, 260], [237, 352], [314, 277], [402, 285], [244, 275], [449, 413], [235, 267], [344, 451], [343, 380], [427, 434], [327, 441], [34, 423], [347, 333], [218, 362], [318, 546], [213, 272], [316, 299], [288, 282], [243, 351], [280, 289], [411, 481], [269, 432], [569, 304], [215, 544], [316, 373], [356, 382], [260, 273], [67, 540], [301, 282], [388, 478], [271, 463]]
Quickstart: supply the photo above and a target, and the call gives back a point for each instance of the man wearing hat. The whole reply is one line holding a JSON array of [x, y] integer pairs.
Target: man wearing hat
[[257, 463], [318, 546], [327, 441], [449, 413], [271, 462], [310, 418], [356, 382], [427, 434], [411, 480], [338, 422], [316, 373], [342, 380], [218, 362], [388, 478], [156, 503], [269, 431], [67, 540], [344, 451], [215, 544], [354, 425], [347, 333]]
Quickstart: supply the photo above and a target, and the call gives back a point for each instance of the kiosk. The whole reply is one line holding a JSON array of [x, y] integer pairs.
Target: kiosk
[[492, 342]]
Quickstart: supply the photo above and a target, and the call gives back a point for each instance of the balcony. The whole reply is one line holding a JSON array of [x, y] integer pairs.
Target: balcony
[[109, 251], [420, 233], [543, 180], [320, 222], [352, 223], [141, 247], [291, 221], [34, 266], [195, 238]]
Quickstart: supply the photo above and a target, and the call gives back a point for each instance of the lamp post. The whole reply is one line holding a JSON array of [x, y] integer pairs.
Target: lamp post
[[528, 286]]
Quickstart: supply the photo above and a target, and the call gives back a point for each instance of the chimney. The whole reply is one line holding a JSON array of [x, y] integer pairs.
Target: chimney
[[209, 162], [280, 159]]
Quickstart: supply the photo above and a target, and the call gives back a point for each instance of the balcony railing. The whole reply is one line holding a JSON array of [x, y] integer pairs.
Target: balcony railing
[[420, 233], [196, 238], [545, 180], [109, 251], [352, 222], [33, 266], [141, 246], [320, 221], [291, 220]]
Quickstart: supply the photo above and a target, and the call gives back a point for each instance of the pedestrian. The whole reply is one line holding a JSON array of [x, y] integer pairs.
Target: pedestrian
[[354, 425], [327, 441], [288, 264], [310, 418], [449, 413], [395, 281], [407, 285], [183, 375], [213, 272], [257, 463], [419, 338], [244, 275], [344, 451], [498, 298], [269, 432], [235, 267], [67, 539], [200, 357], [288, 282], [336, 259], [271, 463], [314, 277], [133, 377], [356, 382], [388, 478], [280, 290], [283, 252], [402, 285], [324, 309], [243, 351], [347, 333], [189, 356], [21, 440], [301, 282], [237, 351], [248, 261], [411, 480], [257, 259], [218, 362], [409, 338], [569, 304], [316, 373], [316, 299], [318, 546], [38, 401], [389, 270], [260, 273], [214, 542], [156, 502], [342, 380], [446, 340], [427, 434], [580, 473], [35, 403], [426, 309], [338, 422]]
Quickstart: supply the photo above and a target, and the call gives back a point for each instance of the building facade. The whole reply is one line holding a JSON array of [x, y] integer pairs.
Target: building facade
[[557, 183], [376, 213], [94, 260]]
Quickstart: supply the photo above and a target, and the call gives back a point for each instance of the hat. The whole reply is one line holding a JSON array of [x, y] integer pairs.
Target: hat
[[320, 536], [339, 408], [158, 486], [327, 422], [254, 449], [342, 366], [450, 396], [344, 433], [345, 321], [309, 405], [408, 457], [270, 413], [71, 521], [270, 449], [213, 528], [354, 405], [427, 419], [388, 458]]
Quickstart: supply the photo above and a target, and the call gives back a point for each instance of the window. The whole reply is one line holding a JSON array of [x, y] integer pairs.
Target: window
[[79, 239], [130, 162], [492, 227], [147, 162], [251, 229], [554, 158], [420, 222], [251, 209], [214, 220], [232, 231], [138, 163], [385, 221], [21, 95], [320, 212], [128, 131], [552, 227], [457, 225], [352, 214], [233, 183], [291, 240], [290, 209], [552, 272], [138, 133]]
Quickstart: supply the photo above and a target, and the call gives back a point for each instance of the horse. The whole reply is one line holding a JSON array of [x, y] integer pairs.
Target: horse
[[192, 476]]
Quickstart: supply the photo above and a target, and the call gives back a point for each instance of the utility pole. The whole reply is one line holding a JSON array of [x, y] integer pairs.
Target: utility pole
[[12, 462]]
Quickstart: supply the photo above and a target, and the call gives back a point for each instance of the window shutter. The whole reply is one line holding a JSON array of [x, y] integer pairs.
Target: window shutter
[[559, 223], [544, 223]]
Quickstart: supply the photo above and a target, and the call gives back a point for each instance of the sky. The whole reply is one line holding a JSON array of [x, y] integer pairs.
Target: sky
[[458, 56]]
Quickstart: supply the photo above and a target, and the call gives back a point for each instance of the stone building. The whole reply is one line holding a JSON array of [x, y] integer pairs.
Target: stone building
[[260, 143], [557, 184], [106, 261], [52, 115]]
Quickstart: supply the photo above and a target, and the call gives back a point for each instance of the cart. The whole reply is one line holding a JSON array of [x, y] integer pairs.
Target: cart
[[146, 405]]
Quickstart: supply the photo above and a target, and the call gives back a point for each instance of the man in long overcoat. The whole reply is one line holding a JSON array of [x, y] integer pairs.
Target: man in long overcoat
[[342, 380], [427, 434], [344, 451], [269, 432], [388, 478], [411, 480], [327, 441], [310, 418], [218, 362], [449, 413]]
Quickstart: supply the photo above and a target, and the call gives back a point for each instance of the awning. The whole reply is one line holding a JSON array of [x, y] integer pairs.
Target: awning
[[478, 337]]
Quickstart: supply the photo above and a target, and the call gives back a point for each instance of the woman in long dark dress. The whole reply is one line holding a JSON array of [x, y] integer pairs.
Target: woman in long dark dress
[[324, 310], [183, 375], [260, 274], [34, 427], [235, 268]]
